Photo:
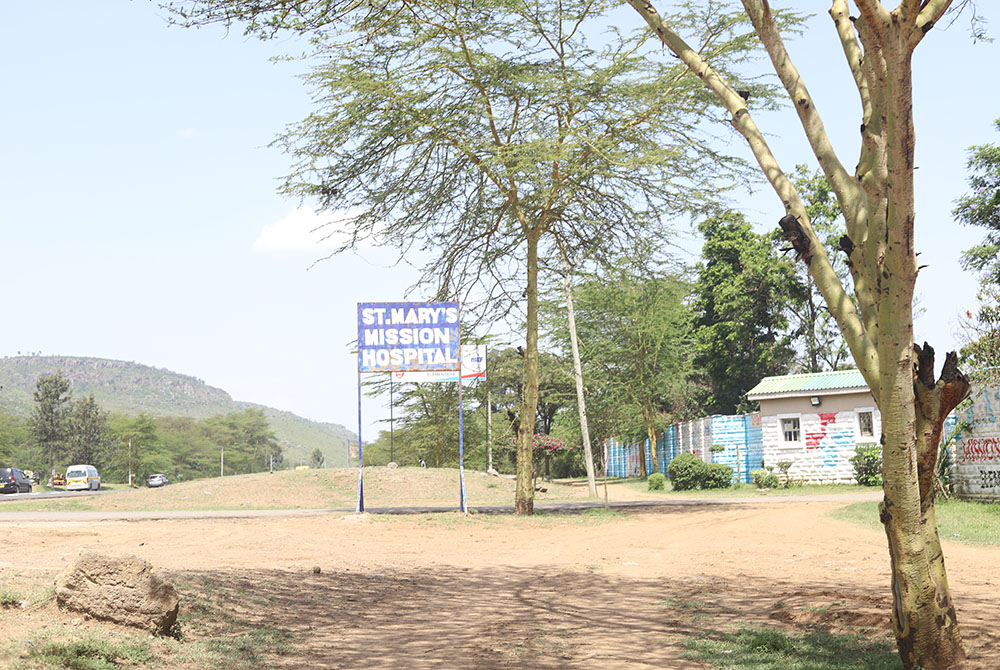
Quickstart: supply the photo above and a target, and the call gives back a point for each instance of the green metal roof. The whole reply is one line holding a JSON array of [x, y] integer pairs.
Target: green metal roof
[[808, 383]]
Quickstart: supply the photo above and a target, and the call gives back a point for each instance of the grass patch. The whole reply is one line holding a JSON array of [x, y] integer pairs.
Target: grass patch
[[959, 520], [10, 599], [248, 650], [767, 648], [747, 490], [91, 655]]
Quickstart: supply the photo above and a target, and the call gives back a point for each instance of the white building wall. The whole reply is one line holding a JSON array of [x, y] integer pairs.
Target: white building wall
[[827, 439], [976, 454]]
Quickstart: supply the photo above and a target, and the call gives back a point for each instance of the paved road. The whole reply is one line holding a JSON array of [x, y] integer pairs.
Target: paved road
[[558, 508], [47, 495]]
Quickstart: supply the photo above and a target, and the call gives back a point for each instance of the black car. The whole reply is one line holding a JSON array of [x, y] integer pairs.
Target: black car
[[13, 480]]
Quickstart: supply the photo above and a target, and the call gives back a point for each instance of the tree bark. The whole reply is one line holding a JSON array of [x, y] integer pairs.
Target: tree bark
[[524, 495]]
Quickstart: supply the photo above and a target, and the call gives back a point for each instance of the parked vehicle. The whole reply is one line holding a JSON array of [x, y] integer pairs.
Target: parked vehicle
[[157, 480], [82, 478], [13, 480], [58, 479]]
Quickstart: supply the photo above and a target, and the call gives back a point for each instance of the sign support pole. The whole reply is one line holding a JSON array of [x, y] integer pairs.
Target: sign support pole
[[361, 490], [461, 431]]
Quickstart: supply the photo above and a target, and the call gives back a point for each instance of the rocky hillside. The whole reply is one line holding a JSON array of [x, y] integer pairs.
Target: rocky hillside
[[131, 388]]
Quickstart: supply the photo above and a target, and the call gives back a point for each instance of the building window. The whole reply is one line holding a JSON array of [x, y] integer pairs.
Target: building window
[[790, 429], [866, 423]]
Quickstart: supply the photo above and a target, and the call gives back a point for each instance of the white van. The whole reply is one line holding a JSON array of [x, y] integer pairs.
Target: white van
[[82, 478]]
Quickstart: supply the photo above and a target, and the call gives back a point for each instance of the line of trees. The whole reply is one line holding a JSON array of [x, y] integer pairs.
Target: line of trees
[[62, 430]]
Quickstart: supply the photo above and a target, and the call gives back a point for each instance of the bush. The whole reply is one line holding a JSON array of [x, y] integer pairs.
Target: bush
[[717, 476], [687, 472], [656, 481], [867, 462], [765, 479]]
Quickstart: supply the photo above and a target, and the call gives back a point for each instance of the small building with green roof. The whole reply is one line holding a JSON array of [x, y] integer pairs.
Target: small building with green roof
[[816, 421]]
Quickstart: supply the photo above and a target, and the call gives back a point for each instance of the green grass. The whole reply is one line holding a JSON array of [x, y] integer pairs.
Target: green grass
[[748, 490], [768, 648], [959, 520], [91, 654], [10, 599], [248, 650]]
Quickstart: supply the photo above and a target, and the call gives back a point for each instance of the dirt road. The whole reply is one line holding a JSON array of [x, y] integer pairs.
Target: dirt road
[[486, 591]]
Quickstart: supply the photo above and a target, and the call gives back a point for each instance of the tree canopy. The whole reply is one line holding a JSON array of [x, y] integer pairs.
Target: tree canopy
[[743, 298]]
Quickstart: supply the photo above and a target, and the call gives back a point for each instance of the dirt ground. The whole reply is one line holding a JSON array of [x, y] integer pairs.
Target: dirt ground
[[483, 592]]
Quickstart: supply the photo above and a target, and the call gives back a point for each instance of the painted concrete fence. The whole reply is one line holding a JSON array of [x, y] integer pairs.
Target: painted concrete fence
[[740, 434]]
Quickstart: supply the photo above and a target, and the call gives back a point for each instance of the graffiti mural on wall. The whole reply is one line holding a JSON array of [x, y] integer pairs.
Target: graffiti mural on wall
[[829, 440], [977, 451]]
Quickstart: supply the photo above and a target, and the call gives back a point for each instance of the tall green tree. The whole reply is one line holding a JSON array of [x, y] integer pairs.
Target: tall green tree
[[636, 339], [317, 459], [822, 345], [14, 437], [981, 207], [488, 133], [980, 354], [137, 453], [743, 296], [88, 438], [49, 423], [247, 438], [877, 200]]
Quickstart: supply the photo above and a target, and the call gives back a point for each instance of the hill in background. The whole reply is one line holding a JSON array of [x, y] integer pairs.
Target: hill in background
[[131, 388]]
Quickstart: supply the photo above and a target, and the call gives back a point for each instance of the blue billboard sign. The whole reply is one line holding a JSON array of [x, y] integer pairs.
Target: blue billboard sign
[[403, 336]]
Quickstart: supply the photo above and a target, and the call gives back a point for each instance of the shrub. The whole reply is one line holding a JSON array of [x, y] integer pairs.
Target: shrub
[[687, 472], [717, 476], [867, 462], [783, 468], [656, 481], [765, 479]]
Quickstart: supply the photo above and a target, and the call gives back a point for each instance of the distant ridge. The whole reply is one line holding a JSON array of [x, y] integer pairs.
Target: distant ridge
[[133, 388]]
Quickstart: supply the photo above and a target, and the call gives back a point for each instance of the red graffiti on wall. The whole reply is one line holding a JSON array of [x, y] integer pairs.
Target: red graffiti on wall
[[980, 449], [813, 439]]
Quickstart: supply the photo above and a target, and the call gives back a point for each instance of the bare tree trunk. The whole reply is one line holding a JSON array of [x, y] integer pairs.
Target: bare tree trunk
[[524, 495], [651, 436], [581, 404]]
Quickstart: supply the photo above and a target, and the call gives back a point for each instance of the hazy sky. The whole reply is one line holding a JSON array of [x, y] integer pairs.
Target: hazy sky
[[140, 220]]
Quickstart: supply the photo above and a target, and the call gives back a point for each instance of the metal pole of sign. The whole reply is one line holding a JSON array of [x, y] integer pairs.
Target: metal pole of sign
[[361, 491], [461, 459], [392, 458]]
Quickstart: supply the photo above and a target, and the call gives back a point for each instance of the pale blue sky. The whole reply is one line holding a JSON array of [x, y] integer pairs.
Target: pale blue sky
[[140, 220]]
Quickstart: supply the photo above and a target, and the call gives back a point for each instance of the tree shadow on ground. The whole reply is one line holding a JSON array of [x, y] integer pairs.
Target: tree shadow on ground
[[541, 618]]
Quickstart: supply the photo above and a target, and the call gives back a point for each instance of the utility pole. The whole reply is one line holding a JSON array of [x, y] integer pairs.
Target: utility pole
[[222, 462], [489, 430]]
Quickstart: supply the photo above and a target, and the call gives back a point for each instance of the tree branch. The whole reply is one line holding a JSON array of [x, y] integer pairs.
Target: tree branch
[[860, 342], [852, 51], [842, 183]]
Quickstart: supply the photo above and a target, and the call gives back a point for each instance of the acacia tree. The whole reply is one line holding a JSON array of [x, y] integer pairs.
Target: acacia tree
[[489, 133], [636, 342], [878, 206]]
